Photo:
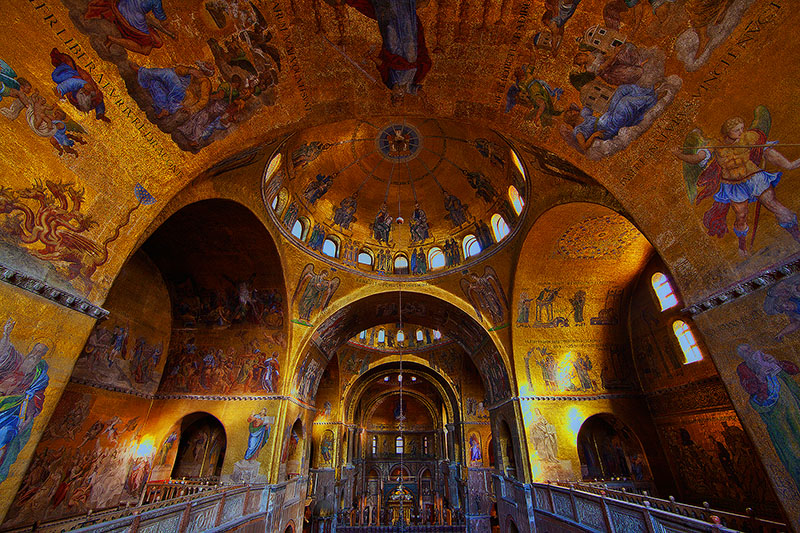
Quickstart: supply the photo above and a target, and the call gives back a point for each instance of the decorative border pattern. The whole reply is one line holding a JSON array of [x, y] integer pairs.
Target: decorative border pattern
[[566, 397], [206, 397], [590, 513], [756, 282], [563, 505], [54, 294], [584, 398]]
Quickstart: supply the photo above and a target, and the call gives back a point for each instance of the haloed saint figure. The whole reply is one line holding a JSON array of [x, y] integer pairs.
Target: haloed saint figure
[[775, 396], [23, 380], [403, 61]]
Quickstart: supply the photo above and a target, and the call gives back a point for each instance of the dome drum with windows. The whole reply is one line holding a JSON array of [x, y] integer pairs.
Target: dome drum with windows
[[396, 196]]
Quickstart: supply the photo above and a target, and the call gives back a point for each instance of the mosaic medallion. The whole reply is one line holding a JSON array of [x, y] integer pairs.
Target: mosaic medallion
[[399, 143]]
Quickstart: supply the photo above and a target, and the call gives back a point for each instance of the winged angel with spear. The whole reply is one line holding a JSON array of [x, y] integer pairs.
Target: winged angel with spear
[[731, 170]]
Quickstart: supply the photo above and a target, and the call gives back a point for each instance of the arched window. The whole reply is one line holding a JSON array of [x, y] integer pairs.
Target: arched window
[[272, 167], [363, 335], [518, 164], [280, 201], [374, 445], [435, 258], [499, 227], [365, 258], [274, 203], [471, 246], [400, 335], [300, 229], [425, 445], [381, 336], [663, 289], [687, 341], [401, 264], [516, 200], [330, 248], [419, 335], [437, 334], [398, 445]]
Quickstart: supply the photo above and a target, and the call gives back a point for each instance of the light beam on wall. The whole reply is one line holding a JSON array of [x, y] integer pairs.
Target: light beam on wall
[[145, 447], [574, 422]]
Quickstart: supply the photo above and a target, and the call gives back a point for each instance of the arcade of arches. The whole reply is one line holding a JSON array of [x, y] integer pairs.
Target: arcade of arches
[[413, 263]]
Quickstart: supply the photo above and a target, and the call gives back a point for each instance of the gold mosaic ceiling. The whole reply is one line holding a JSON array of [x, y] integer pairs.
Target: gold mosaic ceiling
[[395, 185], [159, 92]]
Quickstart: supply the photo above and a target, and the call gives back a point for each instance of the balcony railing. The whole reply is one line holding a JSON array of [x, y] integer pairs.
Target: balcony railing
[[607, 510], [168, 490], [192, 506], [408, 528]]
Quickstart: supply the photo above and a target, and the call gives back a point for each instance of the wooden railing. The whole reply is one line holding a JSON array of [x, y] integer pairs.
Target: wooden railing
[[608, 510]]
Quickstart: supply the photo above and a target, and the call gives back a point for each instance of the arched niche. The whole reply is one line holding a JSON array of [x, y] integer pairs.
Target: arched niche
[[550, 303], [610, 450], [295, 450], [511, 527], [507, 449], [201, 449], [228, 301], [399, 473], [372, 402]]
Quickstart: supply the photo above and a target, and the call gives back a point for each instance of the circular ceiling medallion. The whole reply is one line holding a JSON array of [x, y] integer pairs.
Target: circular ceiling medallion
[[399, 143]]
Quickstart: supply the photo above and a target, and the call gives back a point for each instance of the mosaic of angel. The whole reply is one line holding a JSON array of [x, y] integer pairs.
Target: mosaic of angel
[[486, 293], [730, 169], [317, 291]]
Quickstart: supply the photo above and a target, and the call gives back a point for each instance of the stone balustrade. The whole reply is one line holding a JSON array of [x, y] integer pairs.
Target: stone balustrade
[[597, 508], [182, 507]]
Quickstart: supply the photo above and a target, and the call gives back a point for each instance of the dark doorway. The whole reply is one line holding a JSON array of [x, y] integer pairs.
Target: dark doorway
[[201, 451]]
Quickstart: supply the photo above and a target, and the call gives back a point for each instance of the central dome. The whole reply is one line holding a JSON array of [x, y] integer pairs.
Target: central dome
[[377, 194]]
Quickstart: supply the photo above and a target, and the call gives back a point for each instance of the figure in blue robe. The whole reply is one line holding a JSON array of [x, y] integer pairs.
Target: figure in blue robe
[[23, 380], [403, 60], [626, 108], [259, 425]]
